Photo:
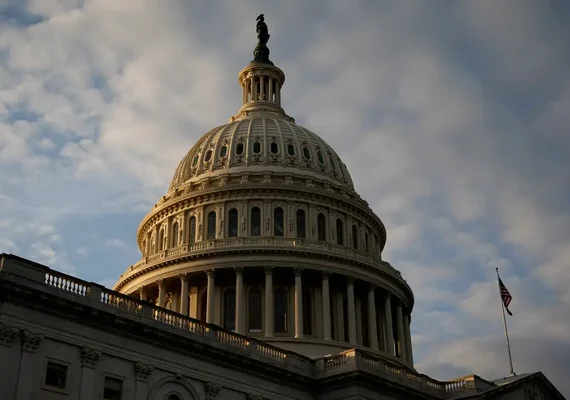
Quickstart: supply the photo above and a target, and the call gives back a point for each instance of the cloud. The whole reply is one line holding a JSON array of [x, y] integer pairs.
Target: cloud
[[452, 121]]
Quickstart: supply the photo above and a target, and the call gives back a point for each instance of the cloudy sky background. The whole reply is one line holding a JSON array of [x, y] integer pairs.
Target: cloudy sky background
[[452, 118]]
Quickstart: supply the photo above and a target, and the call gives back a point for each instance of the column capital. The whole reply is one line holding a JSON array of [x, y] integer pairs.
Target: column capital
[[160, 281], [184, 277], [89, 357], [325, 274], [268, 270], [210, 273], [238, 270], [350, 280], [371, 287], [298, 271]]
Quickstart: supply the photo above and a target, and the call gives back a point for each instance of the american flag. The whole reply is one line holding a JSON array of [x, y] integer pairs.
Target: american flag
[[505, 295]]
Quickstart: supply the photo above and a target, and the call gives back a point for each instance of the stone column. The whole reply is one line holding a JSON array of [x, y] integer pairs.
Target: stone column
[[89, 359], [372, 327], [240, 314], [298, 302], [184, 294], [261, 88], [244, 93], [352, 339], [401, 344], [359, 322], [28, 364], [277, 92], [408, 335], [210, 297], [339, 326], [270, 89], [388, 325], [269, 305], [251, 88], [326, 308], [161, 292], [142, 293]]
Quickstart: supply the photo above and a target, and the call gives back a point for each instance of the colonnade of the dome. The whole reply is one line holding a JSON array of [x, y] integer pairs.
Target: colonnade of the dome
[[277, 303]]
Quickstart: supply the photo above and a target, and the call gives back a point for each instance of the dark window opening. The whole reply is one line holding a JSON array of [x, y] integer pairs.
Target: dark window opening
[[290, 149], [192, 231], [56, 375], [301, 230], [233, 223], [239, 149], [306, 153], [254, 310], [339, 232], [274, 148], [223, 151], [320, 157], [113, 389], [354, 237], [307, 312], [195, 160], [321, 227], [211, 225], [174, 241], [280, 310], [278, 222], [230, 309], [208, 155], [257, 147], [255, 221]]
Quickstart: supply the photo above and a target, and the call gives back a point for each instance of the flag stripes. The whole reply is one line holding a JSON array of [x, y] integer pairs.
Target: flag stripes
[[505, 296]]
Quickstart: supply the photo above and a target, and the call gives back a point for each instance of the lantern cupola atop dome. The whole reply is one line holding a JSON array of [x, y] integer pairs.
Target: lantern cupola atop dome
[[261, 80]]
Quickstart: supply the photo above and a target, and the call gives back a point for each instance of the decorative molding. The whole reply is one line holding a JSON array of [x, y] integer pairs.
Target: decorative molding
[[30, 340], [298, 271], [210, 273], [89, 357], [212, 390], [7, 335], [143, 371], [239, 270], [251, 396], [268, 270]]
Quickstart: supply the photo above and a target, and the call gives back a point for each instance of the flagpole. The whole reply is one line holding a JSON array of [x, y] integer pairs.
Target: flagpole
[[505, 325]]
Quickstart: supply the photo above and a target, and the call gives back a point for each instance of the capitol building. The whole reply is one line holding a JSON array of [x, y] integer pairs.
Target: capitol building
[[261, 277]]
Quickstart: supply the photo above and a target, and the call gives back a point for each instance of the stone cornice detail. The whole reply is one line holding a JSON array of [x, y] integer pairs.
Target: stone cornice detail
[[143, 371], [7, 335], [89, 357], [30, 340], [212, 390], [252, 396]]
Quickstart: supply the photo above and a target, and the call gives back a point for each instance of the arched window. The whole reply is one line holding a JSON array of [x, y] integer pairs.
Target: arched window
[[339, 232], [174, 241], [354, 237], [280, 310], [223, 151], [274, 148], [230, 309], [301, 229], [254, 310], [366, 242], [233, 223], [255, 221], [239, 149], [212, 225], [307, 312], [278, 221], [173, 397], [192, 230], [161, 240], [322, 227], [203, 305]]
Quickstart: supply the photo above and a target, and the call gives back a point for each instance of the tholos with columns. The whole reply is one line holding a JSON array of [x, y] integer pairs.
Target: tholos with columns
[[269, 306]]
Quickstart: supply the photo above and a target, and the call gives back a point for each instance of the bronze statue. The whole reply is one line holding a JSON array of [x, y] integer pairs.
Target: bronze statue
[[261, 52], [261, 29]]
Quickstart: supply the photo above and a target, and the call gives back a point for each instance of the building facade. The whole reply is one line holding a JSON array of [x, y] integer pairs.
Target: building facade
[[261, 277]]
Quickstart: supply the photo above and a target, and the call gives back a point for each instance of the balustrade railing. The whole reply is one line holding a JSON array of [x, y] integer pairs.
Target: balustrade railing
[[66, 283]]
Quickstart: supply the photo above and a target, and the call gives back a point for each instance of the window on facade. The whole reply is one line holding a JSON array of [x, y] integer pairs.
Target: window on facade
[[230, 309], [208, 156], [306, 153], [301, 228], [195, 160], [212, 225], [366, 242], [331, 160], [320, 157], [307, 312], [278, 221], [339, 232], [192, 230], [354, 237], [256, 147], [174, 241], [280, 310], [290, 149], [56, 375], [274, 148], [223, 151], [113, 389], [254, 309], [255, 221], [321, 227], [161, 240], [239, 149], [233, 223]]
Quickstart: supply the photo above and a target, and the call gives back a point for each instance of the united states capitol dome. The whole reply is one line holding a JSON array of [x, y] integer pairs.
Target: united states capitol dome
[[262, 233]]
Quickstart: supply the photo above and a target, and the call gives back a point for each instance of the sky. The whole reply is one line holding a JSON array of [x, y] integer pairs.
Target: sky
[[452, 118]]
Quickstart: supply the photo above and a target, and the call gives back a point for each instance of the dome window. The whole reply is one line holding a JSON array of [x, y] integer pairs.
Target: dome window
[[208, 156], [320, 157], [278, 222], [290, 149], [195, 160], [306, 153], [233, 223], [256, 147], [223, 151], [333, 166], [255, 221], [239, 149], [274, 148]]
